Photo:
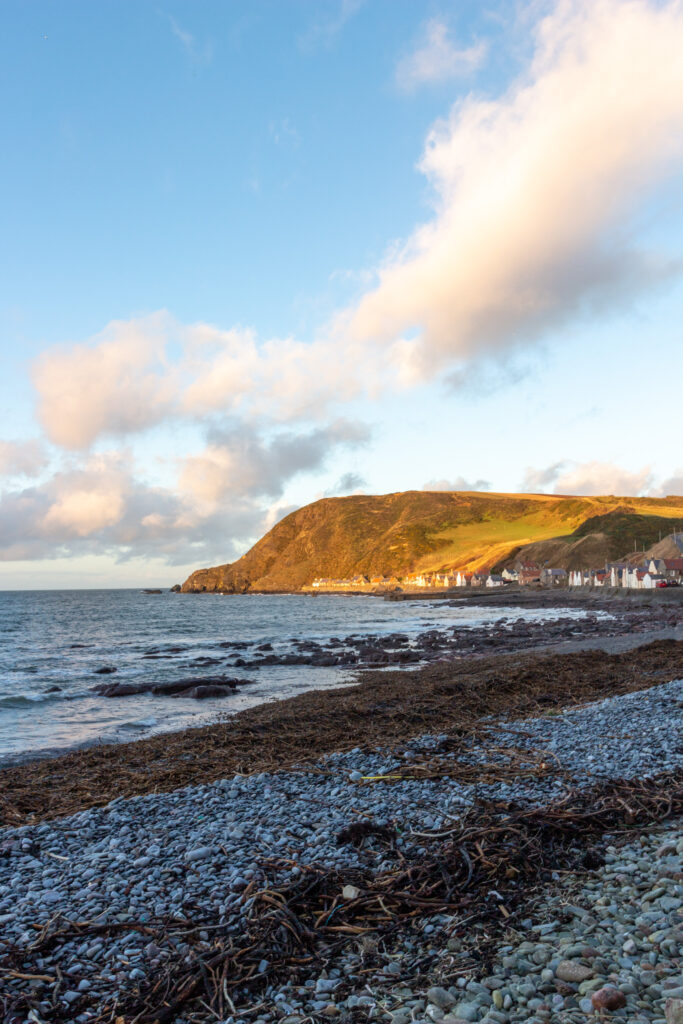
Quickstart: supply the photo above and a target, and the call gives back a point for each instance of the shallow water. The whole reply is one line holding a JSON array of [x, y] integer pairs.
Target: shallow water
[[60, 639]]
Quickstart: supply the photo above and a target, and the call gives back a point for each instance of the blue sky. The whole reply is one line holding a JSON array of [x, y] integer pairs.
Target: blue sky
[[343, 245]]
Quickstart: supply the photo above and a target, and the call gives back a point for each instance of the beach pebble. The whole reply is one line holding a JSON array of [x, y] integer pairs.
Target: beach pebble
[[608, 998], [568, 970]]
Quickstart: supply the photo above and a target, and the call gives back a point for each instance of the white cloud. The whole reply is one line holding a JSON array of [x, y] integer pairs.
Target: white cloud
[[673, 485], [226, 496], [438, 59], [22, 458], [239, 461], [140, 372], [539, 480], [589, 478], [457, 484], [119, 384], [102, 507], [535, 190]]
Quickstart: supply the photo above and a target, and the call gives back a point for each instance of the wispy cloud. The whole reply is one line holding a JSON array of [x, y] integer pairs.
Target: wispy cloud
[[534, 197], [283, 131], [438, 59], [458, 483], [589, 478], [331, 19], [348, 483], [199, 53]]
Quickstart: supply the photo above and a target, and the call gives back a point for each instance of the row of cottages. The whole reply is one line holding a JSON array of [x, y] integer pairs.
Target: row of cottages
[[356, 583], [656, 572], [324, 583], [433, 579], [448, 580]]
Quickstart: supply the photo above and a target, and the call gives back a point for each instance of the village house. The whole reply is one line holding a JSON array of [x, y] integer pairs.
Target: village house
[[673, 568], [495, 581], [510, 575], [529, 572], [553, 577]]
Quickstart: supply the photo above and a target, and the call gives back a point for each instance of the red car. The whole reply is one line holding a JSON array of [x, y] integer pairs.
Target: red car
[[661, 583]]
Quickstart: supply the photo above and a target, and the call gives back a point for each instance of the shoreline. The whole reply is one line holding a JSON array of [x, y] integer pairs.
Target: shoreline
[[611, 644], [630, 624], [383, 708]]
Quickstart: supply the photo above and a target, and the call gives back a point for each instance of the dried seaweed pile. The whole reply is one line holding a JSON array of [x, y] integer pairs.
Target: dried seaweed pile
[[385, 709], [491, 861]]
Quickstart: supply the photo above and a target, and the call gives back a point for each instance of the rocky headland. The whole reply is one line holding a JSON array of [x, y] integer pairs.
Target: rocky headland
[[425, 531]]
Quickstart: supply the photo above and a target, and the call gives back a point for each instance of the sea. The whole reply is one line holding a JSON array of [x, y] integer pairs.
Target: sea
[[51, 639]]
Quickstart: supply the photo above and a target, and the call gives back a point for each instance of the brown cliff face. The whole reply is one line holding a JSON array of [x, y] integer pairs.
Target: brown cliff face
[[415, 531]]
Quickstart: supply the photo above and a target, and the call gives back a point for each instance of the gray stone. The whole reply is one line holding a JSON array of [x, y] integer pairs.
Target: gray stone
[[199, 853], [569, 970], [467, 1011], [440, 997], [673, 1011]]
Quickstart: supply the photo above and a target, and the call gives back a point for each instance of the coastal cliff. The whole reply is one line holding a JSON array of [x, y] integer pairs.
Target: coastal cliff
[[410, 531]]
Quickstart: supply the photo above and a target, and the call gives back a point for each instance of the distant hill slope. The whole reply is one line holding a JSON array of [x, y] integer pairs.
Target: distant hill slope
[[668, 547], [425, 531], [620, 535]]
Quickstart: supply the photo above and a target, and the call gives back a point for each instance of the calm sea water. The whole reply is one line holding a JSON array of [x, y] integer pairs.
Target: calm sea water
[[60, 638]]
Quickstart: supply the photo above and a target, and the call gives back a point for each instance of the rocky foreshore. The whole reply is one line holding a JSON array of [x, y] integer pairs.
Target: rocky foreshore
[[597, 619], [95, 906]]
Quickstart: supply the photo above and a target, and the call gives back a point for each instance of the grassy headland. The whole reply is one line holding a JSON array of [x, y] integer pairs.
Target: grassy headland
[[427, 531]]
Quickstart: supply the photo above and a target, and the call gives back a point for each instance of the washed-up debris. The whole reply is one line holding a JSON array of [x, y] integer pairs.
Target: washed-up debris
[[494, 859]]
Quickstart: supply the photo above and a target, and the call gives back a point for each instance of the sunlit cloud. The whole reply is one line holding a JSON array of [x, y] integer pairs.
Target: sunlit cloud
[[534, 191], [118, 384], [672, 485], [534, 194]]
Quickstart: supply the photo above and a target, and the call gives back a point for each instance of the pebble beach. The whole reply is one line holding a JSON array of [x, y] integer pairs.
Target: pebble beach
[[198, 853]]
